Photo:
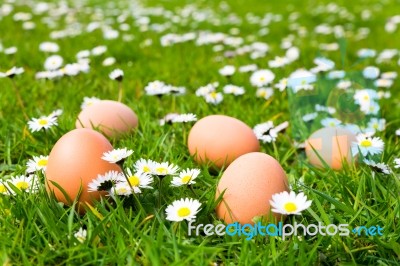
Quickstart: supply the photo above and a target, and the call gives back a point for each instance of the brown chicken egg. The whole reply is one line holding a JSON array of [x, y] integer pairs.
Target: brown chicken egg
[[112, 118], [330, 145], [248, 185], [74, 162], [220, 139]]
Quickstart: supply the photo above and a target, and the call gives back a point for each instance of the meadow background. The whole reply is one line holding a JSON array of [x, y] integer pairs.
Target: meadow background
[[36, 230]]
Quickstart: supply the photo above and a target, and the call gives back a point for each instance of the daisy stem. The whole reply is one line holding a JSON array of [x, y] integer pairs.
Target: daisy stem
[[19, 99], [173, 103], [119, 91], [191, 189], [159, 191]]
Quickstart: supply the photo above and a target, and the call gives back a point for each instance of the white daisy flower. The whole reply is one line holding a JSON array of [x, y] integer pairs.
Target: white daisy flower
[[367, 145], [365, 97], [371, 72], [43, 122], [289, 203], [282, 84], [53, 62], [205, 90], [262, 77], [278, 62], [116, 74], [165, 168], [377, 124], [10, 50], [186, 177], [265, 93], [28, 184], [121, 189], [83, 54], [379, 167], [214, 97], [12, 72], [227, 70], [99, 50], [56, 113], [105, 182], [109, 61], [370, 109], [328, 109], [49, 47], [397, 163], [145, 166], [364, 53], [37, 163], [81, 235], [88, 101], [175, 90], [184, 118], [397, 132], [168, 119], [344, 84], [383, 83], [330, 122], [4, 189], [233, 89], [336, 74], [116, 155], [309, 117], [389, 75], [301, 79], [265, 132], [248, 68], [137, 180], [183, 209], [156, 88]]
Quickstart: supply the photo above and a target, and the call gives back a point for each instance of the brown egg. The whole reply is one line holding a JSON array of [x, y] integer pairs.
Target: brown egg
[[112, 118], [75, 161], [221, 139], [249, 183], [333, 145]]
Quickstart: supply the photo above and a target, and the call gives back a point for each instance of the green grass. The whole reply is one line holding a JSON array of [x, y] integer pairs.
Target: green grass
[[36, 230]]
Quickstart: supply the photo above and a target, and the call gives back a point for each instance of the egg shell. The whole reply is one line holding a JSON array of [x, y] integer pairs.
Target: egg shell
[[112, 118], [221, 139], [249, 183], [75, 161], [333, 145]]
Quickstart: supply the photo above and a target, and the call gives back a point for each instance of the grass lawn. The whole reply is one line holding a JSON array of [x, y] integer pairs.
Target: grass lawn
[[35, 229]]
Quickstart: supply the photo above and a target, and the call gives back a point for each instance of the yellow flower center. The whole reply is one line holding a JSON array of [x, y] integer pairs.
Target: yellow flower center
[[366, 97], [134, 181], [146, 169], [122, 190], [290, 207], [375, 126], [43, 122], [42, 162], [183, 212], [262, 93], [366, 143], [262, 78], [213, 95], [186, 179], [162, 170], [3, 188], [22, 185]]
